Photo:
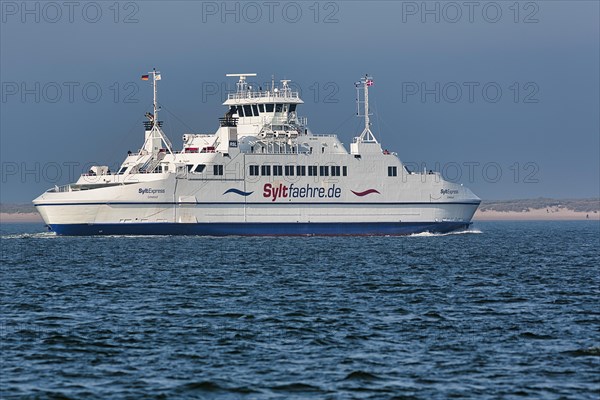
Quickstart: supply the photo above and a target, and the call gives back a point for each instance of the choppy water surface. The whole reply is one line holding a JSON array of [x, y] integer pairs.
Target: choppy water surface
[[509, 311]]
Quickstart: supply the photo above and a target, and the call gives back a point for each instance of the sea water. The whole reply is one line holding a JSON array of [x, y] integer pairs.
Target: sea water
[[506, 309]]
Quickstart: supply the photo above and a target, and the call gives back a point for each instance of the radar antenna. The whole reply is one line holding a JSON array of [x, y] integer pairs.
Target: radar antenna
[[242, 85], [286, 88]]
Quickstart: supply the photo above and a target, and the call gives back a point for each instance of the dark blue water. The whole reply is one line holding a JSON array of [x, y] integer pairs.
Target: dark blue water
[[510, 311]]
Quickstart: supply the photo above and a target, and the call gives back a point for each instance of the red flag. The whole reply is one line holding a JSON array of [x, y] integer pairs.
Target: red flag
[[370, 82]]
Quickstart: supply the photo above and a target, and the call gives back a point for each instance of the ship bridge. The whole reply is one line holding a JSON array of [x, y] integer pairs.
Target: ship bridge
[[265, 113]]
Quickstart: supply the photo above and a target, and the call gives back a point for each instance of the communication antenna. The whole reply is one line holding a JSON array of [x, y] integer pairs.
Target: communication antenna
[[156, 76], [363, 85]]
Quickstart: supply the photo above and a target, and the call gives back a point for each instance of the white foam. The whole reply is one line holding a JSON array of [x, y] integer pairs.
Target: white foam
[[429, 234], [38, 235]]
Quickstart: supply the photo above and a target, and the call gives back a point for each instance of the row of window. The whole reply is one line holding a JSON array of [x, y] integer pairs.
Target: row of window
[[297, 170], [254, 110], [217, 169], [287, 170]]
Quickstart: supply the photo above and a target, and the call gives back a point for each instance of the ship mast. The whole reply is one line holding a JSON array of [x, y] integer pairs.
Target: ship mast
[[155, 101], [156, 132], [366, 136]]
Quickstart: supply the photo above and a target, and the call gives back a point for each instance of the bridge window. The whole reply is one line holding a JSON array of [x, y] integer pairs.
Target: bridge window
[[277, 170], [265, 170], [269, 107], [301, 170], [189, 167], [335, 170], [324, 170], [217, 170], [261, 108], [199, 168], [255, 110], [122, 171], [289, 170], [278, 107], [240, 111], [253, 170], [392, 171], [312, 170], [293, 107], [345, 171], [248, 110]]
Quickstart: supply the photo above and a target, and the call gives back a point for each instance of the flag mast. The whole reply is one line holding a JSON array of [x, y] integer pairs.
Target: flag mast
[[156, 108], [364, 84], [155, 96]]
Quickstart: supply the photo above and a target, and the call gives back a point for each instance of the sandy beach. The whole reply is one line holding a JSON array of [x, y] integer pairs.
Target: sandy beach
[[20, 217]]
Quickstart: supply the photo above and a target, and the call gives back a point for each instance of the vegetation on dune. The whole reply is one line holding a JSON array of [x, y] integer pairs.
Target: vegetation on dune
[[524, 205], [24, 208]]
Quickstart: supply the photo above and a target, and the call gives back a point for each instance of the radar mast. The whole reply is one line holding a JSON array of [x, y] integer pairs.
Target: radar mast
[[363, 85], [156, 132], [242, 85]]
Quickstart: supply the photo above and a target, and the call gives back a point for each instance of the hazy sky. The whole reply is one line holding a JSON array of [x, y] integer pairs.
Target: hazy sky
[[500, 97]]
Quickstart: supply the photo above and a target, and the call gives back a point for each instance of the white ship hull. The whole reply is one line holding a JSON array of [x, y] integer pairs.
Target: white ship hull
[[212, 207], [263, 172]]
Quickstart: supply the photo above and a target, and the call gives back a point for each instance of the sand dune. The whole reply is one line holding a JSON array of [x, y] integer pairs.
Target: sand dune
[[541, 214], [20, 217]]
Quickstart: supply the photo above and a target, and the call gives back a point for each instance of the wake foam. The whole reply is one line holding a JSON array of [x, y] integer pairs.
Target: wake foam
[[38, 235], [463, 232]]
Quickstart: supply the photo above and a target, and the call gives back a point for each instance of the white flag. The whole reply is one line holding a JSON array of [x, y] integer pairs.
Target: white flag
[[157, 77]]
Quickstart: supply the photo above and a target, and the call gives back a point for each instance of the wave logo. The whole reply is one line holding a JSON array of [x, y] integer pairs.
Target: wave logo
[[449, 191], [366, 192], [237, 191], [150, 191]]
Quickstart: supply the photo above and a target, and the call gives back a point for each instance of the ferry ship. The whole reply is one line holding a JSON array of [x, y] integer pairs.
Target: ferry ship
[[263, 172]]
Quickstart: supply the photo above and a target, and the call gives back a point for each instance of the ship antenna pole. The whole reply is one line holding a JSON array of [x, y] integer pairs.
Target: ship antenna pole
[[366, 135], [156, 126], [367, 120], [155, 97]]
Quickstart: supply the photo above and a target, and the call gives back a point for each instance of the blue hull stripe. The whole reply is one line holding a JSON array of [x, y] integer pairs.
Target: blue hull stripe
[[258, 229], [112, 203]]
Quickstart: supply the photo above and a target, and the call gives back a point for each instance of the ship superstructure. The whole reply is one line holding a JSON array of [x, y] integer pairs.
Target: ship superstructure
[[263, 172]]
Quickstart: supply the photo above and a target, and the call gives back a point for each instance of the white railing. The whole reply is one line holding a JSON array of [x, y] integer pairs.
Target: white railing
[[60, 189], [285, 120], [282, 94]]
